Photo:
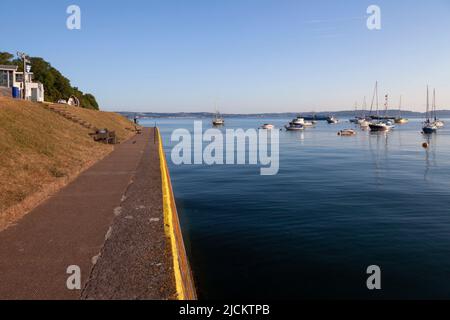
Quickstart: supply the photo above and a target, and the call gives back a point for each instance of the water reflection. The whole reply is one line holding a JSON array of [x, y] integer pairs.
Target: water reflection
[[430, 154], [379, 150]]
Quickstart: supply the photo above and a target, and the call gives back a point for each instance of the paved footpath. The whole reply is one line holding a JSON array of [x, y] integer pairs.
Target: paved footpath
[[87, 224]]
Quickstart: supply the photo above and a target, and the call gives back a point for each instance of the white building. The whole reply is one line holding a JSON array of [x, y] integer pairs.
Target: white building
[[10, 78]]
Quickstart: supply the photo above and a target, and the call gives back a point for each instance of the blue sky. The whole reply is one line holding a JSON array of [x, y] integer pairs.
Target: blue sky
[[245, 55]]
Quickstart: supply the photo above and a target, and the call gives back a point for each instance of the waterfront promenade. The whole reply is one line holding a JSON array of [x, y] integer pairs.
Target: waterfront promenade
[[109, 221]]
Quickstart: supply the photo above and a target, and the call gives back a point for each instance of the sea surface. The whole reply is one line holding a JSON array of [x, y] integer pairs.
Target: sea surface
[[337, 206]]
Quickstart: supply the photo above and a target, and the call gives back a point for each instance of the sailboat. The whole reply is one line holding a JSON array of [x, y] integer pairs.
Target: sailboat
[[438, 123], [218, 119], [355, 119], [399, 119], [429, 127], [382, 123], [363, 122]]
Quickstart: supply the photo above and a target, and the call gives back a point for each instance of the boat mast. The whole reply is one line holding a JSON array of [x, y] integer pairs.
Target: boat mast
[[375, 96], [428, 106], [434, 105], [364, 107], [376, 92], [386, 103], [400, 108]]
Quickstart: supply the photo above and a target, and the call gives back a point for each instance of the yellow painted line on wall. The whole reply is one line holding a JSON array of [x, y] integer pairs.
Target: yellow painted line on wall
[[183, 278]]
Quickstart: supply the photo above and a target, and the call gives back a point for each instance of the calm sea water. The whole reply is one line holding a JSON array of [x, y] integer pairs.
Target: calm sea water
[[337, 206]]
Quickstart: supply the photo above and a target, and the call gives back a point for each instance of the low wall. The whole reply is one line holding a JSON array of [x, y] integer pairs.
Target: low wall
[[183, 275]]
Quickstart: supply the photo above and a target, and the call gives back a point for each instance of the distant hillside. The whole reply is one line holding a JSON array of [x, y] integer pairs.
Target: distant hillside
[[56, 85], [318, 115]]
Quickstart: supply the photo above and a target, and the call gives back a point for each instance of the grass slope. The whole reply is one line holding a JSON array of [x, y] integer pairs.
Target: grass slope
[[40, 151]]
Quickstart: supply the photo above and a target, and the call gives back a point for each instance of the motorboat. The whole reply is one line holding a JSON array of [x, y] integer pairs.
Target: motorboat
[[332, 120], [295, 127], [303, 122]]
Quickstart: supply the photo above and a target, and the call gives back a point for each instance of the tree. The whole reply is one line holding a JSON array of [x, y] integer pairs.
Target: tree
[[6, 58], [56, 85]]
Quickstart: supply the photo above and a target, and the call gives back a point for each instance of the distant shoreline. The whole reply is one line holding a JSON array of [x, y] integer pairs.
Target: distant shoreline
[[338, 114]]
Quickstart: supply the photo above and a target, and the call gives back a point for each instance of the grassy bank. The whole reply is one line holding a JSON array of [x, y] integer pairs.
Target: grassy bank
[[41, 151]]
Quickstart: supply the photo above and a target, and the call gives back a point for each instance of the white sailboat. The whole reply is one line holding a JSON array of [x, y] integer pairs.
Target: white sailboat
[[399, 119], [438, 123], [381, 123], [429, 127], [363, 122], [355, 119], [218, 119]]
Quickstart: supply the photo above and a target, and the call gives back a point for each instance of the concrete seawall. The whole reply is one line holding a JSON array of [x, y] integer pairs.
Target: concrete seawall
[[117, 222], [183, 274]]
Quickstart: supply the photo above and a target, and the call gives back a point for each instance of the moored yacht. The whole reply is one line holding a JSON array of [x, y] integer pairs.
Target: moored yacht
[[301, 121], [380, 123], [399, 119], [294, 127], [381, 126], [429, 127], [332, 120], [218, 119], [356, 119], [438, 123]]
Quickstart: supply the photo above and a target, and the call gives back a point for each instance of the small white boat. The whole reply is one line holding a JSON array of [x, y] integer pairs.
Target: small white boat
[[332, 120], [364, 123], [295, 127], [303, 122], [267, 126], [347, 132], [439, 124], [298, 121]]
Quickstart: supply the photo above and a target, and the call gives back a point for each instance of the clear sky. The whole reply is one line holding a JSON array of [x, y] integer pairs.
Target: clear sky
[[249, 56]]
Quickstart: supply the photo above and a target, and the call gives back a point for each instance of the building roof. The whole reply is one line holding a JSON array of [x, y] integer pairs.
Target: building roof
[[8, 67]]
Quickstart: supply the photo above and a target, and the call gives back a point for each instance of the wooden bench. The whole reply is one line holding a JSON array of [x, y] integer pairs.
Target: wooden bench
[[104, 136]]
